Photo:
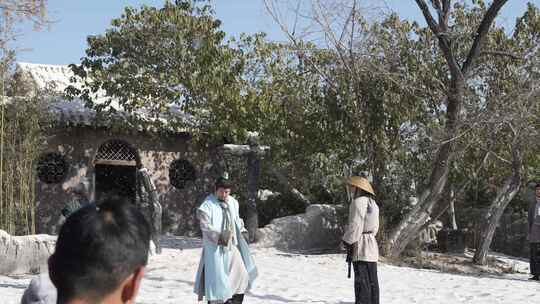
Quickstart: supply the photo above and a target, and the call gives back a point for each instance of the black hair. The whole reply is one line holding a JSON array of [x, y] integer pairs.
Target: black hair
[[537, 185], [223, 182], [98, 247]]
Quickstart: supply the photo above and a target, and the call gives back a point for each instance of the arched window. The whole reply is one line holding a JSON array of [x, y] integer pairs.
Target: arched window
[[116, 152], [180, 172]]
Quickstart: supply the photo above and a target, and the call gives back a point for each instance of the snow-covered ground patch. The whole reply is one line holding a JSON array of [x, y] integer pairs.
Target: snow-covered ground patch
[[297, 278]]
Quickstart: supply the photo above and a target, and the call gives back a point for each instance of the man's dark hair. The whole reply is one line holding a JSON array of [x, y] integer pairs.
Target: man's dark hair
[[223, 182], [98, 247]]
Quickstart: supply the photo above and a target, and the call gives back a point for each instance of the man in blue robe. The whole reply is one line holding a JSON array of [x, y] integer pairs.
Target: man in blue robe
[[226, 270]]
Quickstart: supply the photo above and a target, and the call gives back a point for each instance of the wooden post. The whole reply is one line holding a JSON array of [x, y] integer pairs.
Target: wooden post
[[253, 172], [254, 153]]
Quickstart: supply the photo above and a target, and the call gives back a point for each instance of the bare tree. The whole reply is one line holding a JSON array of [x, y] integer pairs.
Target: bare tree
[[408, 228]]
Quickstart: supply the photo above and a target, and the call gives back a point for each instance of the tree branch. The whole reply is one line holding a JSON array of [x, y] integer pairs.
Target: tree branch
[[464, 186], [274, 14], [500, 158], [440, 30], [481, 33], [502, 53], [429, 18]]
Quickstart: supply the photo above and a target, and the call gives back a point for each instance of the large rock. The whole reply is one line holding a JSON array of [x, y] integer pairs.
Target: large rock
[[319, 228], [25, 254]]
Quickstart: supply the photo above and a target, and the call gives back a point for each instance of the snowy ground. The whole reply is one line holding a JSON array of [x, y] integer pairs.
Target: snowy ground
[[296, 278]]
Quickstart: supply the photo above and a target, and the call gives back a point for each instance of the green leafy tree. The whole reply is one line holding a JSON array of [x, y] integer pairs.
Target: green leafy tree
[[160, 60]]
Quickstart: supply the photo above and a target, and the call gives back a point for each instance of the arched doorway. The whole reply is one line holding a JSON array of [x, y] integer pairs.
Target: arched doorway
[[115, 169]]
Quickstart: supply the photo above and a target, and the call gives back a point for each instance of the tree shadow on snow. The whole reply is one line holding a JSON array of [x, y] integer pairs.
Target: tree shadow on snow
[[276, 298], [177, 242]]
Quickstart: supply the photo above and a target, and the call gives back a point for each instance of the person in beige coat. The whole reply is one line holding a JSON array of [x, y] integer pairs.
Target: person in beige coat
[[359, 238]]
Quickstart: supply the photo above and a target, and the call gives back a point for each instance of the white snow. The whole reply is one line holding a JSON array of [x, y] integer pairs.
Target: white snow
[[56, 78], [46, 75], [297, 278]]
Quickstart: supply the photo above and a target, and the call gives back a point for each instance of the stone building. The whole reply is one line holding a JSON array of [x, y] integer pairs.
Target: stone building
[[104, 152]]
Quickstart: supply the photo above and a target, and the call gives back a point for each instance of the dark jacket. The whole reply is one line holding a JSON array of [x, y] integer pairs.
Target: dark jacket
[[534, 220]]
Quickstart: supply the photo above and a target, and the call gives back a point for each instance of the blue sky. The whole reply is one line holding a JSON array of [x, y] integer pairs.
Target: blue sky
[[65, 40]]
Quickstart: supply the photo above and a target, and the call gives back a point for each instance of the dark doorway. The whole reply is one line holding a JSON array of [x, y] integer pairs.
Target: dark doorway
[[120, 180], [116, 170]]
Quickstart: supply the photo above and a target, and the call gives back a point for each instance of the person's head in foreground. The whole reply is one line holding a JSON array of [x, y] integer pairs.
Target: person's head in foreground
[[537, 189], [100, 254]]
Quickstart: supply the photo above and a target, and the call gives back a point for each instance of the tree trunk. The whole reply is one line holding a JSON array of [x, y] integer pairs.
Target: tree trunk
[[452, 211], [412, 223], [509, 189], [504, 196], [446, 205]]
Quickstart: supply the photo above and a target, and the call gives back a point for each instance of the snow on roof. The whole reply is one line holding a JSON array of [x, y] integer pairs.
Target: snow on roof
[[56, 78], [45, 75]]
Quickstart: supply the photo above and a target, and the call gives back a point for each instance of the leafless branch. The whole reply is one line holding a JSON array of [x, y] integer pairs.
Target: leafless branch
[[273, 11], [296, 18]]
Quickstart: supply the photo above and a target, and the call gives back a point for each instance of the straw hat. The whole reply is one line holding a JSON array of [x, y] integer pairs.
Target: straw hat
[[360, 182]]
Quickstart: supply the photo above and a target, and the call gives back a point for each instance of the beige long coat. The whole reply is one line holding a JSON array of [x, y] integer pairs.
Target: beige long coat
[[362, 228]]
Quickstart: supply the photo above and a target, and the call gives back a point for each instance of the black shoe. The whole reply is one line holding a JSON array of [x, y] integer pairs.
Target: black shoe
[[535, 278], [236, 299]]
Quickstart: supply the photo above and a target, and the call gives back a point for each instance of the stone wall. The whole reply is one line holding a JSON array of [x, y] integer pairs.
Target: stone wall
[[157, 151], [24, 254]]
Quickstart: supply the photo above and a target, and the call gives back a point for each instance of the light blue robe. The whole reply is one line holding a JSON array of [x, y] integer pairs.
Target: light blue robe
[[215, 259]]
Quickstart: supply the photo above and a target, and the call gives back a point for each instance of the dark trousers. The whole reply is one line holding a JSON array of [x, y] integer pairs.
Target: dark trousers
[[535, 259], [366, 283]]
